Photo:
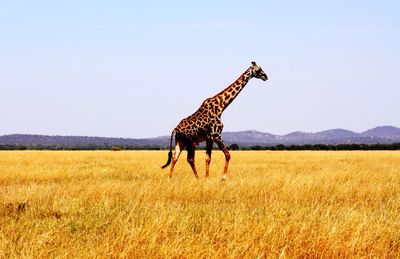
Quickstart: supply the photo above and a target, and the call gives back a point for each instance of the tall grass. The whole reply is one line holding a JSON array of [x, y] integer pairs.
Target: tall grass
[[274, 204]]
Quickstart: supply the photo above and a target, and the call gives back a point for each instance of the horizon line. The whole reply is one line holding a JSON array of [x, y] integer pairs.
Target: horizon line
[[250, 130]]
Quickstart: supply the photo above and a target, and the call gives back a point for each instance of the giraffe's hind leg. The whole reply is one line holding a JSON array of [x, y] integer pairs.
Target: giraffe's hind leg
[[225, 150], [191, 149], [209, 145], [175, 157]]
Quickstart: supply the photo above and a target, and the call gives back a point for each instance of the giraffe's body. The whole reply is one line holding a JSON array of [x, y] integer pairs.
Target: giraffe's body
[[200, 125], [206, 125]]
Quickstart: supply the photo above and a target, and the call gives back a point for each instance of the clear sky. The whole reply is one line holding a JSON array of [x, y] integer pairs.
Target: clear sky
[[136, 68]]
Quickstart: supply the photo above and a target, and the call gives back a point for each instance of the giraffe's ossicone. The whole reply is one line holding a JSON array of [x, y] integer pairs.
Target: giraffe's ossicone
[[206, 125]]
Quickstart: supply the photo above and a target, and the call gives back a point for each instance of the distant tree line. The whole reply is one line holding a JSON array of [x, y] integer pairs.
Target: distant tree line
[[394, 146], [77, 147]]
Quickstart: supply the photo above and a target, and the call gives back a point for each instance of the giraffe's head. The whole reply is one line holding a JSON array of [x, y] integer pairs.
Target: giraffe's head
[[257, 72]]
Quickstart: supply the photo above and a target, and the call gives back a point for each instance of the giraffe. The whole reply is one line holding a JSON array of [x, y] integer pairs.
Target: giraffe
[[206, 125]]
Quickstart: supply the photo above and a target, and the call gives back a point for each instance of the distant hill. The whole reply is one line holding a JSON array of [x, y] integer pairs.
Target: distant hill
[[385, 132], [382, 135], [79, 141]]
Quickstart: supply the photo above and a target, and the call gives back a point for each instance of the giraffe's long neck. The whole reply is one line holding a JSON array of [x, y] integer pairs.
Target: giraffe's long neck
[[226, 96]]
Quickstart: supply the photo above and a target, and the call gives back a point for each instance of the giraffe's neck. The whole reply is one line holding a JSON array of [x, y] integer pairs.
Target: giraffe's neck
[[226, 96]]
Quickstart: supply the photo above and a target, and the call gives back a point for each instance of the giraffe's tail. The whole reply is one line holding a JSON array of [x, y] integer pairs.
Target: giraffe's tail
[[170, 152]]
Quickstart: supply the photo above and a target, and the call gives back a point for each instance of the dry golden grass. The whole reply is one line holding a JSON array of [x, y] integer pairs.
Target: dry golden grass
[[274, 204]]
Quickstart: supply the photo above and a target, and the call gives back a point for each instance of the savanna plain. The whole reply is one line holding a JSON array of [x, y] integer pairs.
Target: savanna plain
[[71, 204]]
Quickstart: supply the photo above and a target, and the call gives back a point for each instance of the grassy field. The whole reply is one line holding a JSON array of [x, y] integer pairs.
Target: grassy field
[[274, 204]]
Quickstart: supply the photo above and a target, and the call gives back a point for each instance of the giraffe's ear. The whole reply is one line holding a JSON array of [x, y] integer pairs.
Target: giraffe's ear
[[253, 63]]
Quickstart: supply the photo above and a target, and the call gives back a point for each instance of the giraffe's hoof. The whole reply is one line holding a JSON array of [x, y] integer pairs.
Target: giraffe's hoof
[[223, 178]]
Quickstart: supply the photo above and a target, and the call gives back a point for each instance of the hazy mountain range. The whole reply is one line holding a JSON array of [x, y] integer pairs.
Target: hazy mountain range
[[383, 135]]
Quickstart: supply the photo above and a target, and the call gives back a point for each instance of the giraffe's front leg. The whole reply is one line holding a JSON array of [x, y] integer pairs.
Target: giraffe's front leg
[[225, 150], [209, 144]]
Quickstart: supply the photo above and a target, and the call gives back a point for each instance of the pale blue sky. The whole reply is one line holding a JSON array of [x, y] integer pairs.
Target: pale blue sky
[[136, 68]]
